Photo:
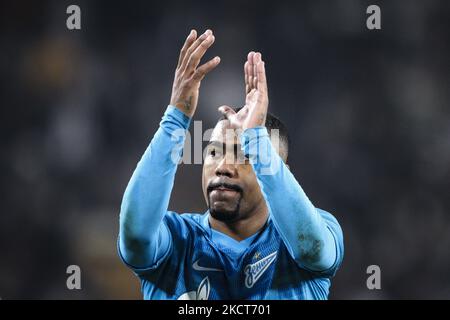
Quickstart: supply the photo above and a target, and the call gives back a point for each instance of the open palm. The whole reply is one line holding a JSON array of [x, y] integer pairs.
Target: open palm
[[254, 112]]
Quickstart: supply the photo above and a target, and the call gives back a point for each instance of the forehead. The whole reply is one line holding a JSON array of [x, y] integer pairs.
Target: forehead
[[224, 133]]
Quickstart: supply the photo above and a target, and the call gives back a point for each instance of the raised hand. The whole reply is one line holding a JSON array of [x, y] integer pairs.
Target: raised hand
[[188, 75], [254, 112]]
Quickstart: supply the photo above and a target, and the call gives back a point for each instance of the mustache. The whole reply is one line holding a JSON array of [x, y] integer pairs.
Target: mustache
[[223, 184]]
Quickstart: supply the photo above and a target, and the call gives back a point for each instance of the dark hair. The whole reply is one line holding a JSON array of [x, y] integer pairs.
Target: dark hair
[[273, 122]]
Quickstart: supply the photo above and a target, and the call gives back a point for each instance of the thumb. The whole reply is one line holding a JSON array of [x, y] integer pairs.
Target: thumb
[[226, 111]]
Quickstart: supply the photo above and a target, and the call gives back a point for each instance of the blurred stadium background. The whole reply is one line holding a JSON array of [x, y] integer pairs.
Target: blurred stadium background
[[368, 114]]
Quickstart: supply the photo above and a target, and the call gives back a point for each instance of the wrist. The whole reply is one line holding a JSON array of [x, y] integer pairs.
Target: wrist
[[186, 110], [181, 118]]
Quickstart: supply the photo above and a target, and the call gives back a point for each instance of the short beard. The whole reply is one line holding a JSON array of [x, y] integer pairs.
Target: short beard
[[226, 215]]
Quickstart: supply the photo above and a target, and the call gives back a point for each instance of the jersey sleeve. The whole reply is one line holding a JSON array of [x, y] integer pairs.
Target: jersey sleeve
[[311, 239], [336, 231], [144, 240]]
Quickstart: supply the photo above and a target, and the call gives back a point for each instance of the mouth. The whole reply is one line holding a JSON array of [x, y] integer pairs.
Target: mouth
[[223, 187], [224, 199], [223, 192], [220, 194]]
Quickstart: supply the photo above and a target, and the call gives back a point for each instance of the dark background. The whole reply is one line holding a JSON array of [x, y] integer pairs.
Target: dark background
[[368, 114]]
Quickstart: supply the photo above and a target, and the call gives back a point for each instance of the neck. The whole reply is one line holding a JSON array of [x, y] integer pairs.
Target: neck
[[245, 227]]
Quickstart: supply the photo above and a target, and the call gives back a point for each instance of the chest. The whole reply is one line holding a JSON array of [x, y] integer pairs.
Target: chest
[[223, 272]]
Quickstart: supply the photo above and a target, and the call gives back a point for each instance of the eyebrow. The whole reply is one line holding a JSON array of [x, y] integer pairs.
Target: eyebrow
[[216, 144]]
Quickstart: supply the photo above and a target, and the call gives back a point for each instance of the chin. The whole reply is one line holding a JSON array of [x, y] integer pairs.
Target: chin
[[224, 214]]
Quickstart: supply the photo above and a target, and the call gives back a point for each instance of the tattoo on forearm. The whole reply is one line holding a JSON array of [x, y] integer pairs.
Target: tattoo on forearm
[[262, 116], [188, 103], [185, 104]]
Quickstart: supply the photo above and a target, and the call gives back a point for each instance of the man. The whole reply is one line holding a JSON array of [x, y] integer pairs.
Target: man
[[261, 237]]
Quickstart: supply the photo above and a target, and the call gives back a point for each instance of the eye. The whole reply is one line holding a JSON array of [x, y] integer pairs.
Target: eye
[[214, 152], [241, 158]]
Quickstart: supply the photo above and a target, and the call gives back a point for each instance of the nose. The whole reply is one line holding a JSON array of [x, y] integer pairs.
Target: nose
[[226, 168]]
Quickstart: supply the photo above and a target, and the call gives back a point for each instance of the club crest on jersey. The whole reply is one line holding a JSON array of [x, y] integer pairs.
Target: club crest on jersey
[[202, 292], [255, 270]]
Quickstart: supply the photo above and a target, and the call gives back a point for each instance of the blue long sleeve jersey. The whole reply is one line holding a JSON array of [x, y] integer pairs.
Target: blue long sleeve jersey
[[179, 256]]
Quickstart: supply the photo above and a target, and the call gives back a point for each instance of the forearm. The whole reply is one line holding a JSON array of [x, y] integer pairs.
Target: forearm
[[303, 230], [145, 202]]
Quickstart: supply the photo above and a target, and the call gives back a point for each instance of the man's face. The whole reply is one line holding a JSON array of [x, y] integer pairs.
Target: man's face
[[229, 183]]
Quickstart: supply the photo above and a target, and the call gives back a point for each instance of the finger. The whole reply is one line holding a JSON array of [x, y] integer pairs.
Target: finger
[[226, 111], [247, 85], [250, 69], [256, 60], [249, 77], [197, 55], [189, 40], [205, 68], [193, 47], [261, 75]]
